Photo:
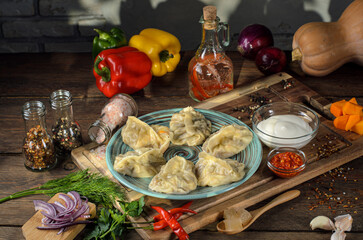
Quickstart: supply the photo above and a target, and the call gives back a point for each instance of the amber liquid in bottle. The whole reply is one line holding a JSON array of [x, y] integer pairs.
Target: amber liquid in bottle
[[210, 71]]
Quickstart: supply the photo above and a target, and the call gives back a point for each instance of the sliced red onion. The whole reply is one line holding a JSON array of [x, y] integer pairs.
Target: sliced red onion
[[58, 216]]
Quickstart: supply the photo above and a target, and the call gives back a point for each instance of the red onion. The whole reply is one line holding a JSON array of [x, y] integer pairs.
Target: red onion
[[58, 216], [252, 39], [270, 60]]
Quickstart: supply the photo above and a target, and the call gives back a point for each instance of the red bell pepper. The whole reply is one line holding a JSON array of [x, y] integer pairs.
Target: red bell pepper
[[122, 70]]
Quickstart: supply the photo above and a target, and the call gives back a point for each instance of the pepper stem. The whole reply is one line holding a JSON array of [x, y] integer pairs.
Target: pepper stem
[[104, 72], [165, 55]]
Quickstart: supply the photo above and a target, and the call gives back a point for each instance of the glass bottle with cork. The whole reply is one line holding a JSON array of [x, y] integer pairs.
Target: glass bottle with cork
[[210, 71], [66, 131], [38, 146]]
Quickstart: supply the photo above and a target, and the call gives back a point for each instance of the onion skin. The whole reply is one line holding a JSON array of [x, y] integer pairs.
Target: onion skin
[[252, 39], [270, 60]]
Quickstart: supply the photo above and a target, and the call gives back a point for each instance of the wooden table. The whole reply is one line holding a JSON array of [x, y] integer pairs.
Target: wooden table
[[26, 77]]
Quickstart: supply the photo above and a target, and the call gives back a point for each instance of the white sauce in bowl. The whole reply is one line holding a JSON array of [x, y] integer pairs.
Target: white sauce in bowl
[[284, 126]]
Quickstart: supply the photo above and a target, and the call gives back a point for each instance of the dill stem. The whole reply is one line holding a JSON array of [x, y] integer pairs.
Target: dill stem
[[23, 194]]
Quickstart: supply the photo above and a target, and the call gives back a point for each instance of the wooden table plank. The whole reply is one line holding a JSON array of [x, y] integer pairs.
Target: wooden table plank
[[35, 76]]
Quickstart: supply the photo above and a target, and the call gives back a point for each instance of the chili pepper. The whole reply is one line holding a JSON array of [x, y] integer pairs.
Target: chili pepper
[[172, 222], [163, 224], [162, 48], [106, 40], [122, 70], [173, 211]]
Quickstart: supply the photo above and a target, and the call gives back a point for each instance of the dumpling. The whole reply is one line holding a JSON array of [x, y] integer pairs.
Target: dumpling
[[189, 127], [175, 177], [138, 134], [142, 163], [212, 171], [228, 141]]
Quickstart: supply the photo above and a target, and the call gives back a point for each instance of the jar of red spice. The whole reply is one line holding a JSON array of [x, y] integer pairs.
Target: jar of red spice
[[113, 115], [286, 162], [38, 146]]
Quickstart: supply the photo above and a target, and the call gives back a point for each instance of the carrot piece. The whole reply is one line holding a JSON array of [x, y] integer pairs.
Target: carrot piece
[[352, 109], [353, 100], [341, 121], [358, 128], [336, 108], [352, 120]]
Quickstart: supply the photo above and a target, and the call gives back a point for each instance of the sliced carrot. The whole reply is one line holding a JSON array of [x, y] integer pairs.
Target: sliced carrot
[[353, 100], [358, 128], [336, 108], [352, 109], [352, 120], [341, 121]]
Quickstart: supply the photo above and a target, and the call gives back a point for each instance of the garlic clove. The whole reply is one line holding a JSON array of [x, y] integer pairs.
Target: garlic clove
[[322, 222], [338, 235], [344, 222]]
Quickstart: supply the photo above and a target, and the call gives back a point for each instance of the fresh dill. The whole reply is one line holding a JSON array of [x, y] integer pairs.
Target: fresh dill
[[97, 188]]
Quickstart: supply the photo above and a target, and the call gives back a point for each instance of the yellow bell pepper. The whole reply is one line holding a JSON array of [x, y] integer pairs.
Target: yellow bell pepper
[[161, 47]]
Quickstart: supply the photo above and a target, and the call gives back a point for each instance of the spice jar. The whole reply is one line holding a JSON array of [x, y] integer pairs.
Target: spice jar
[[66, 131], [38, 146], [210, 71], [113, 115]]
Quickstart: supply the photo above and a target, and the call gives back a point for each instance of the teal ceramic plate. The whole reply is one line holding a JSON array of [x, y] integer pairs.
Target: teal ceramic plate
[[251, 156]]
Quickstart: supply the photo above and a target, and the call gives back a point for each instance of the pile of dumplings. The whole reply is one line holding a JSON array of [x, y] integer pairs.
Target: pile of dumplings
[[179, 175]]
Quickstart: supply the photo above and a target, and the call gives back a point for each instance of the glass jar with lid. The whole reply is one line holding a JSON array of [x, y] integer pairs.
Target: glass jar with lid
[[210, 71], [38, 146], [113, 115], [66, 132]]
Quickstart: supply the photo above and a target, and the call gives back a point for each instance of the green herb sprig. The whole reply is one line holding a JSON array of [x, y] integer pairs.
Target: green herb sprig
[[111, 222], [97, 188]]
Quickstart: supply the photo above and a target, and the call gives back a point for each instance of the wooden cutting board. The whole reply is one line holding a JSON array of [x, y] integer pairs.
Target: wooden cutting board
[[30, 231], [263, 184]]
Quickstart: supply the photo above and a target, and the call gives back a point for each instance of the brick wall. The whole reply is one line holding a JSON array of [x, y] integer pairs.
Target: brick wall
[[67, 25], [47, 26]]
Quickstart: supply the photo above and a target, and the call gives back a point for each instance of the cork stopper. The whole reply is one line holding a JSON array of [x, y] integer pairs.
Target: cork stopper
[[209, 16], [209, 13]]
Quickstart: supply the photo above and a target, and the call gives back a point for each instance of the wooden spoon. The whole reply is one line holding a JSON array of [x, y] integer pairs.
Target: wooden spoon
[[287, 196]]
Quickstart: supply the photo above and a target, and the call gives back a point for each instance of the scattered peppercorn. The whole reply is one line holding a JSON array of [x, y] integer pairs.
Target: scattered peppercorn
[[66, 135], [286, 84]]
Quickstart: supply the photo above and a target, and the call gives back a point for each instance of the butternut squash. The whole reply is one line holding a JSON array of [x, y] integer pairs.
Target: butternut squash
[[341, 121], [352, 109], [353, 100], [323, 47], [336, 108], [352, 121], [358, 128]]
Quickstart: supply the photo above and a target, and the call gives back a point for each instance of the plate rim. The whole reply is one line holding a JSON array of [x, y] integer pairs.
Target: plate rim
[[231, 186]]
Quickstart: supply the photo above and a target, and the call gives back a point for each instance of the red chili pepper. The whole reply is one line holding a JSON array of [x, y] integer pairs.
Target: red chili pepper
[[187, 205], [163, 224], [122, 70], [172, 222]]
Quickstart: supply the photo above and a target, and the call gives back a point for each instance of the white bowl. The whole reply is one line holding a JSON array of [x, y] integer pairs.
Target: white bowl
[[285, 108]]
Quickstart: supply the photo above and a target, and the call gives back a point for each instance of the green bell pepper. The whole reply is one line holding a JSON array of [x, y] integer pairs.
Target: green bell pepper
[[114, 39]]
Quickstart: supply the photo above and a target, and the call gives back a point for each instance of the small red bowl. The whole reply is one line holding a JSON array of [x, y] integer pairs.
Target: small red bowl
[[286, 173]]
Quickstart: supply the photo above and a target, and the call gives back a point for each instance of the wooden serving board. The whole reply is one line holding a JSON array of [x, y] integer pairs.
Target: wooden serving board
[[343, 147], [30, 231]]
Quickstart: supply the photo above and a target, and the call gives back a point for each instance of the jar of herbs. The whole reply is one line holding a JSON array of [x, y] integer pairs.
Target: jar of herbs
[[66, 132], [113, 115], [38, 146]]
